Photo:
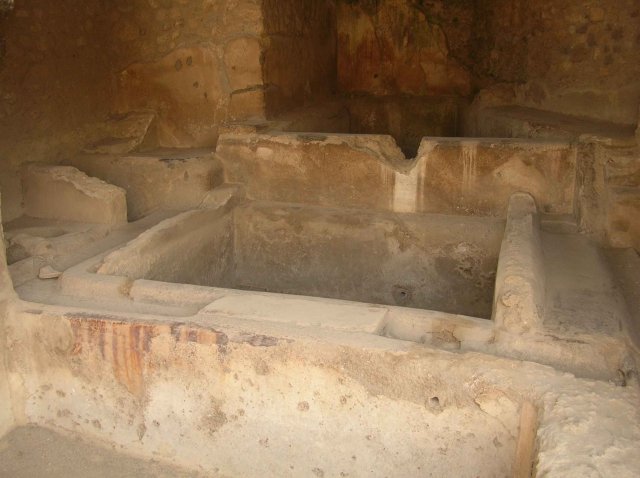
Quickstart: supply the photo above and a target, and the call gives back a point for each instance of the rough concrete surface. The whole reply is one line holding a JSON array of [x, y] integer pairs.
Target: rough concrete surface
[[250, 393], [278, 256]]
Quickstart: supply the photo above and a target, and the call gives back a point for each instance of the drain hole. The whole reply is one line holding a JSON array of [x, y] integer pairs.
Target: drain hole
[[402, 294]]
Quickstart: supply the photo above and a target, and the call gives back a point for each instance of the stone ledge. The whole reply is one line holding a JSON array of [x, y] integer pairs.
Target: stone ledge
[[519, 293]]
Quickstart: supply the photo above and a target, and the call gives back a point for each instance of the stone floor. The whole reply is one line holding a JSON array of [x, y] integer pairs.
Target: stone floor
[[31, 451]]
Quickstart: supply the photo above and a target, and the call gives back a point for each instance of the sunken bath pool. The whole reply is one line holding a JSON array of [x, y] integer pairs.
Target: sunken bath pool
[[427, 261]]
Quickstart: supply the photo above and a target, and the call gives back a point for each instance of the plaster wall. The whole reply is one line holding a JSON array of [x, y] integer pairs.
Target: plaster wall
[[193, 63], [54, 84], [299, 63], [394, 47], [573, 57], [207, 398]]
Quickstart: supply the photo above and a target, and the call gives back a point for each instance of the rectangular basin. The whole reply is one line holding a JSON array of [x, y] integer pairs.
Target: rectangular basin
[[425, 261]]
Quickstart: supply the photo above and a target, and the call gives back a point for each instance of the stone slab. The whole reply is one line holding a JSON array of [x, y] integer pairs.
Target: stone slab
[[301, 311], [66, 193], [163, 179]]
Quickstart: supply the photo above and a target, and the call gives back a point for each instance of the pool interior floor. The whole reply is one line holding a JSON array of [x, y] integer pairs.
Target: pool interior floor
[[31, 451]]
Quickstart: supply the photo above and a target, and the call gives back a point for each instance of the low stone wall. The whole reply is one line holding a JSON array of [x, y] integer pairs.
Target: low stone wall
[[313, 168], [195, 247], [478, 175], [209, 396], [207, 392], [449, 176]]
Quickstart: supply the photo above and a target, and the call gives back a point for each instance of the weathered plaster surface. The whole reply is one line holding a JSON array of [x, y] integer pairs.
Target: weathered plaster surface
[[575, 57], [299, 54], [396, 47], [7, 297]]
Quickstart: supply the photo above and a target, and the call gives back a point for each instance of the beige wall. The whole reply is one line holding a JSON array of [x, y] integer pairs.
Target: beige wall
[[53, 70], [194, 62], [391, 47], [54, 81], [577, 57], [300, 52]]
